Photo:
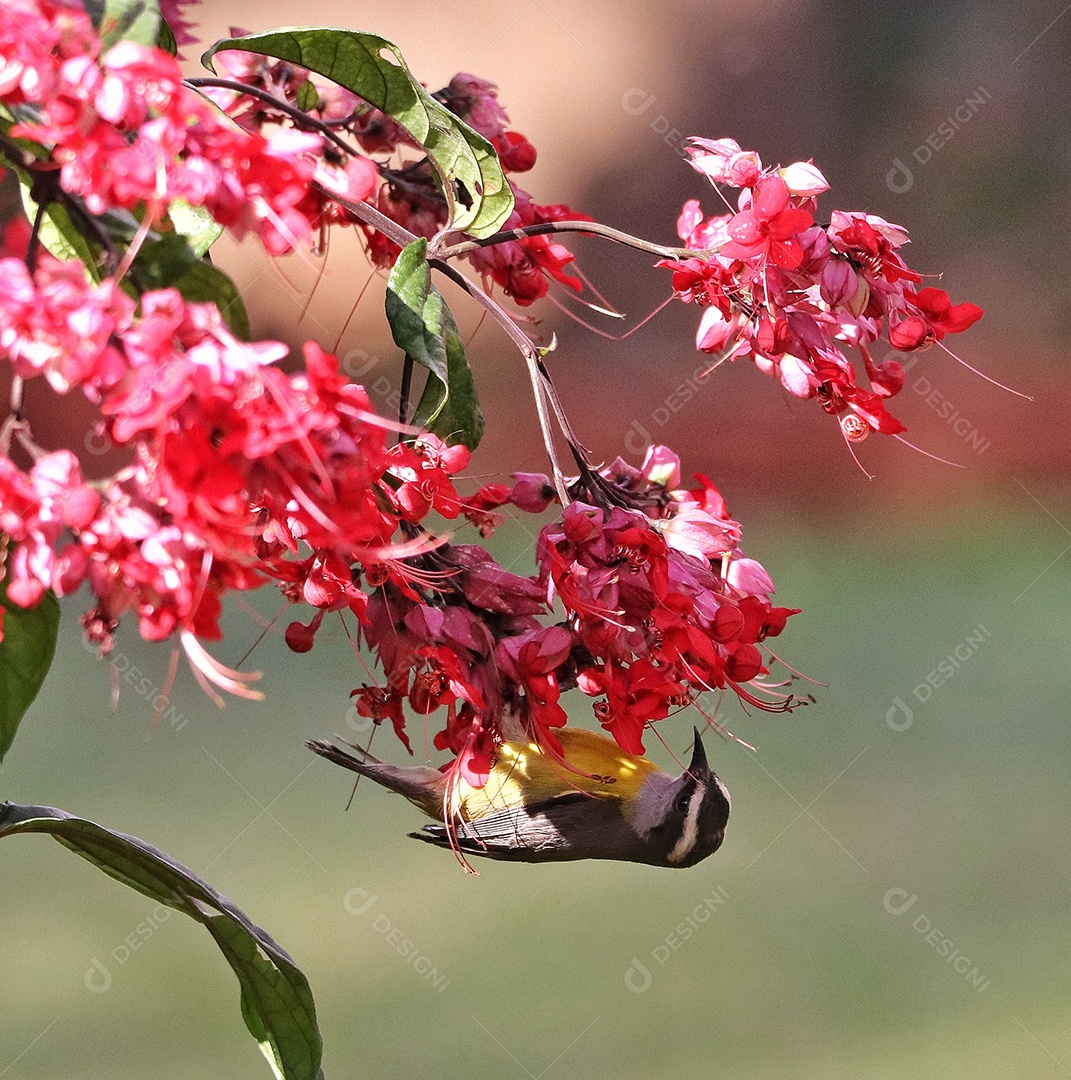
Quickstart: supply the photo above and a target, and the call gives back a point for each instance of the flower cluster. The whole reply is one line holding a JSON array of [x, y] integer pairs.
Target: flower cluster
[[406, 190], [659, 606], [240, 473], [793, 295], [126, 133], [662, 603]]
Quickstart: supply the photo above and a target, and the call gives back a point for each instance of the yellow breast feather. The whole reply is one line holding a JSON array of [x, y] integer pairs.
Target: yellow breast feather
[[523, 773]]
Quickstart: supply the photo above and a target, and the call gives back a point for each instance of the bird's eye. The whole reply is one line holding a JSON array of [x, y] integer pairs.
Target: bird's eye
[[683, 799]]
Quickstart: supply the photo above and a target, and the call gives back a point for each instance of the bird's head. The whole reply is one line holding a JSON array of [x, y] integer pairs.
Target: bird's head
[[681, 819]]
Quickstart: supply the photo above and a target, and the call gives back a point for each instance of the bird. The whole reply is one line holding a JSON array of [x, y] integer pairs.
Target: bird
[[599, 802]]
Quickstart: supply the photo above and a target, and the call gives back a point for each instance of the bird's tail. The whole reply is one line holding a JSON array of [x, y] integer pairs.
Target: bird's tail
[[343, 757], [422, 786]]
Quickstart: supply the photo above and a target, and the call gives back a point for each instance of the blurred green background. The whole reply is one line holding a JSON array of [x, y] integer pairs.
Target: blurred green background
[[815, 960]]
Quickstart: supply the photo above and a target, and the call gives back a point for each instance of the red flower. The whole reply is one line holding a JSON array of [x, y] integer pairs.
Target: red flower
[[936, 316]]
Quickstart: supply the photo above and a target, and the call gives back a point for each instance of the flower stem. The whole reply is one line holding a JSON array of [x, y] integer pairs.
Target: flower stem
[[592, 227], [299, 116]]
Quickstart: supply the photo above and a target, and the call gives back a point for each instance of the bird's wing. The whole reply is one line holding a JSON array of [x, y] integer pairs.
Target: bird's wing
[[571, 826]]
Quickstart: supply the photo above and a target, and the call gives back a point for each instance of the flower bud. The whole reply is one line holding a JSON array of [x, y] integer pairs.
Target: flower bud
[[744, 664], [804, 178], [532, 492], [913, 332]]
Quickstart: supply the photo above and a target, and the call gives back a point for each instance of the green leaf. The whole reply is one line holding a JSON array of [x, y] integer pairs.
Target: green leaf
[[162, 260], [125, 20], [276, 1001], [307, 96], [459, 419], [26, 650], [58, 234], [469, 172], [196, 224], [165, 39], [424, 328], [203, 282], [414, 309]]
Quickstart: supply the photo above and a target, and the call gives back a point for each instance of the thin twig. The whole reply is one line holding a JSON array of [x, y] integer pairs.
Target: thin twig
[[369, 215], [592, 227], [403, 237], [299, 116], [532, 359]]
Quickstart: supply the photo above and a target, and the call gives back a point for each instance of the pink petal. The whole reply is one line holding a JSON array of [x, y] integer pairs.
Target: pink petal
[[771, 197], [745, 228], [796, 376]]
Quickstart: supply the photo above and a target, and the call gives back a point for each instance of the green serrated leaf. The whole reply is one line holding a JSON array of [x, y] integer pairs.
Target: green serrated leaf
[[424, 328], [468, 169], [26, 651], [125, 20], [276, 1001], [203, 282]]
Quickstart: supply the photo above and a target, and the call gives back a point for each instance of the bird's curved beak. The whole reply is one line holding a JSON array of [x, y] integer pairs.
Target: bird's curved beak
[[698, 766]]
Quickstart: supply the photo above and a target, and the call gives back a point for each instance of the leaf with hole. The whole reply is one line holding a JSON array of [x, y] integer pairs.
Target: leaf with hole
[[469, 173]]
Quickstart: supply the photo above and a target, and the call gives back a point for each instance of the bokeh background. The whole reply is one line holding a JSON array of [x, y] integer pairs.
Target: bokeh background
[[893, 896]]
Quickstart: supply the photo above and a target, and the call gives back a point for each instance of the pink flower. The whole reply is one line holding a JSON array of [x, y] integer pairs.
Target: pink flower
[[768, 227], [795, 297], [723, 162], [475, 100], [936, 316]]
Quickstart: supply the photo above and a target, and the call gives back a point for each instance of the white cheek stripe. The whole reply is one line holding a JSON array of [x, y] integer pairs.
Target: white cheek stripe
[[691, 825], [725, 791]]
